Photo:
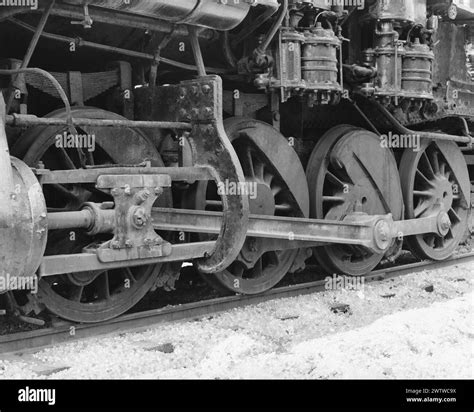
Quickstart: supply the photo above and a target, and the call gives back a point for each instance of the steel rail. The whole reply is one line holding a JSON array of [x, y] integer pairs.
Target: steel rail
[[138, 321]]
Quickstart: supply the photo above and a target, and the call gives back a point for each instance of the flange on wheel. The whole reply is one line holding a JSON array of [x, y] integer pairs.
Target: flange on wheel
[[350, 172], [276, 186], [89, 296], [436, 179]]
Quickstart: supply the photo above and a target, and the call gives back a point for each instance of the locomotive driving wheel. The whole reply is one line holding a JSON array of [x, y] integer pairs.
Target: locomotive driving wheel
[[349, 173], [90, 296], [435, 179], [276, 185]]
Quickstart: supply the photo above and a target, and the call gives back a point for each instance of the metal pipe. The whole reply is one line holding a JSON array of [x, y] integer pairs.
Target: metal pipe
[[424, 135], [29, 52], [118, 18], [131, 53], [274, 29], [197, 51], [272, 7], [24, 120]]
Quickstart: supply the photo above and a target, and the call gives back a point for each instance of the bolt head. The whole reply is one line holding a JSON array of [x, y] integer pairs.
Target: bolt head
[[382, 238], [206, 88], [207, 111], [128, 244], [444, 223]]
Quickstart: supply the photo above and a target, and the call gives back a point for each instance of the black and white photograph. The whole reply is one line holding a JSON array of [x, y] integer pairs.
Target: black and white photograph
[[236, 198]]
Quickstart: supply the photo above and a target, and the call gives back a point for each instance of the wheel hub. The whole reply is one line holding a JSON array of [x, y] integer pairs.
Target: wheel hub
[[443, 193], [261, 199], [83, 278]]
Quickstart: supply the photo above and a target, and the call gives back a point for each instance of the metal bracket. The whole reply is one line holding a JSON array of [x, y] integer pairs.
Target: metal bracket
[[134, 236], [200, 102]]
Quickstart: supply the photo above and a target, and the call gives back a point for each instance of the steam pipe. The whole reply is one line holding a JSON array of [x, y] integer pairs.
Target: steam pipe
[[260, 50]]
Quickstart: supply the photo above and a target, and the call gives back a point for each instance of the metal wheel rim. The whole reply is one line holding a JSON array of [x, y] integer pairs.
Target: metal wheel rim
[[426, 176], [113, 292], [348, 260], [268, 273]]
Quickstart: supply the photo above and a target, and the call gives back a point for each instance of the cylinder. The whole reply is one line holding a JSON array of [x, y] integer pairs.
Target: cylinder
[[23, 244], [387, 56], [214, 14], [417, 72], [319, 59], [289, 59]]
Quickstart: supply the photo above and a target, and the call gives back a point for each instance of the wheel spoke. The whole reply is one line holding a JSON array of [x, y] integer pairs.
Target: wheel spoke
[[285, 207], [259, 169], [442, 168], [273, 258], [105, 288], [247, 162], [430, 240], [237, 270], [333, 199], [129, 274], [66, 160], [276, 190], [257, 270], [82, 158], [215, 204], [268, 178], [440, 242], [335, 180], [435, 161], [450, 234], [65, 192], [452, 213], [424, 178], [77, 294], [426, 161], [89, 158], [422, 193], [421, 208]]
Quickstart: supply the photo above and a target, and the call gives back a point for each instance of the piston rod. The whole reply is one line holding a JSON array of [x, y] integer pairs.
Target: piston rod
[[373, 232]]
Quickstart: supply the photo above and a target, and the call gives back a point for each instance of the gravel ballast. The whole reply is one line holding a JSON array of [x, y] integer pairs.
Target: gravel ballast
[[415, 326]]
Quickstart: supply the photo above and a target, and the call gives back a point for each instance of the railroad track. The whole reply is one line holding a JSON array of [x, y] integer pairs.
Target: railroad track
[[68, 331]]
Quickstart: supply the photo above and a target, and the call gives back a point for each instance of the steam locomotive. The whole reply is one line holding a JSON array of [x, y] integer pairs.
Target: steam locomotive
[[245, 136]]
